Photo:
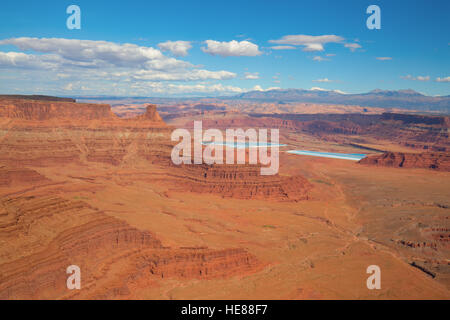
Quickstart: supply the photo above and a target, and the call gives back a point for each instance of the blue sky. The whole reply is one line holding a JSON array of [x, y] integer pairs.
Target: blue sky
[[226, 47]]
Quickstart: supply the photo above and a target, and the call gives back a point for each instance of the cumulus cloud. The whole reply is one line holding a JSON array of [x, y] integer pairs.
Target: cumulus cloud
[[25, 61], [251, 76], [100, 54], [88, 50], [76, 65], [309, 43], [177, 48], [352, 46], [383, 58], [418, 78], [232, 48], [446, 79]]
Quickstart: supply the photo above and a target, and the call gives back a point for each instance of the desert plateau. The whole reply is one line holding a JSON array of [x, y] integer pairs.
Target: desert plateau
[[81, 186], [225, 159]]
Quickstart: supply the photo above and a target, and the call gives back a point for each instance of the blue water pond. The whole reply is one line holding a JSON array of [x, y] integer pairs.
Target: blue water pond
[[345, 156], [242, 145]]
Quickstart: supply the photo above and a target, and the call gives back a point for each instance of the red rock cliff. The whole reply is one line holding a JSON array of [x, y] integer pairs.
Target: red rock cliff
[[426, 160], [45, 110]]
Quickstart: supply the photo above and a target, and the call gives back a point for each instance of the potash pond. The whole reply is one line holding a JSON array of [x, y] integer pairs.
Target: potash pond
[[244, 145], [345, 156]]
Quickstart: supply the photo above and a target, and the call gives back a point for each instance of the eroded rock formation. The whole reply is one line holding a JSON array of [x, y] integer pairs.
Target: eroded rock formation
[[422, 132], [46, 230], [46, 110], [242, 182], [55, 133], [426, 160], [13, 176], [47, 234], [151, 114]]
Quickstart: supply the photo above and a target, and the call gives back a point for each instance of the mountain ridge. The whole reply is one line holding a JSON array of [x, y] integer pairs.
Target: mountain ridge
[[405, 99]]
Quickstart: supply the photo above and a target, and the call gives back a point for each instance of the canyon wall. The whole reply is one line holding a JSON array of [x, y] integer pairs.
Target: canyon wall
[[45, 110], [46, 234], [417, 119], [47, 228], [35, 97], [422, 132], [43, 134], [426, 160], [56, 133], [240, 181]]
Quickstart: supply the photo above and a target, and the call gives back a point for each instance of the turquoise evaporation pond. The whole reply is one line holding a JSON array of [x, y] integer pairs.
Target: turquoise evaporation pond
[[345, 156], [241, 145]]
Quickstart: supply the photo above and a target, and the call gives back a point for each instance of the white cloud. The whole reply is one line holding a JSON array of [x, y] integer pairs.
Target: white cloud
[[251, 76], [418, 78], [66, 55], [26, 61], [89, 53], [323, 80], [313, 47], [352, 46], [232, 48], [95, 54], [143, 88], [182, 75], [203, 88], [319, 58], [63, 75], [177, 48], [259, 88], [322, 89], [383, 58], [314, 43], [104, 67], [68, 87], [310, 43], [283, 48], [446, 79]]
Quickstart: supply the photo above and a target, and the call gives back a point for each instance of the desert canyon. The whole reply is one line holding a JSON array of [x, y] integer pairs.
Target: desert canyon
[[92, 185]]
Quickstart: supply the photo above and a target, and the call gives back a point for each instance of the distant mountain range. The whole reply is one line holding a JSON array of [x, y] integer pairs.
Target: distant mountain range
[[406, 99], [403, 99]]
